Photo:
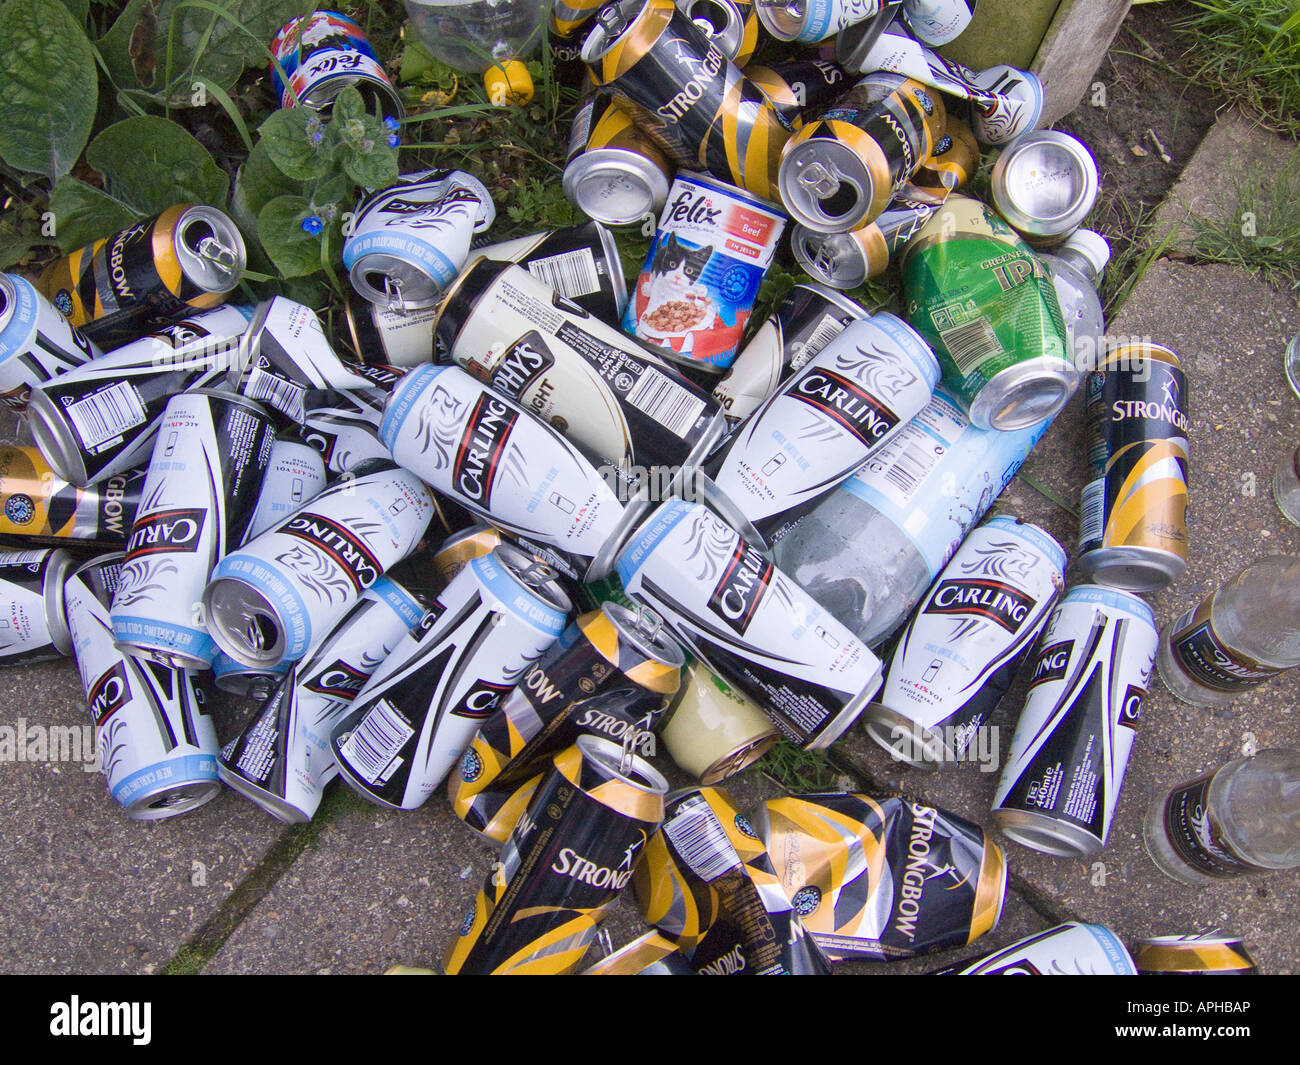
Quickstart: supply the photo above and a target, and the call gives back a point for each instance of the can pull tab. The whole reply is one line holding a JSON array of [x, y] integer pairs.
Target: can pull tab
[[630, 737], [212, 250], [820, 180], [604, 942], [648, 624], [537, 573], [827, 259], [393, 294], [612, 20]]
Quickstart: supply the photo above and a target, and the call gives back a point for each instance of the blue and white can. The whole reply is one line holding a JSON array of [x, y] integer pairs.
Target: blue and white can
[[36, 341]]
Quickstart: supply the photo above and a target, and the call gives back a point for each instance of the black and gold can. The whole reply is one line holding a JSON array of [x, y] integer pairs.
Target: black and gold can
[[1133, 512], [797, 86], [184, 260], [1195, 955]]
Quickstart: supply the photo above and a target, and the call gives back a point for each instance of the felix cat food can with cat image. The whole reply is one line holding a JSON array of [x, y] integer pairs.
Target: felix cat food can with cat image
[[696, 291]]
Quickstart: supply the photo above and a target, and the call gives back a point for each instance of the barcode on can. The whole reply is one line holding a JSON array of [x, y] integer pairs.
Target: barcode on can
[[20, 558], [572, 273], [371, 749], [700, 840], [107, 414], [971, 344], [284, 396], [667, 402], [1092, 508], [827, 330]]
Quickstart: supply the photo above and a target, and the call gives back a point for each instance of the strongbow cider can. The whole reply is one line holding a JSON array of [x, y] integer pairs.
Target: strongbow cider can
[[36, 341], [697, 288]]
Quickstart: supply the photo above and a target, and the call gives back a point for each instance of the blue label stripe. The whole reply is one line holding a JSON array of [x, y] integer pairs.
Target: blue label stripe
[[1031, 534], [16, 337], [516, 598], [659, 526], [408, 392], [404, 246], [290, 608], [819, 19], [396, 598], [1124, 602], [223, 665], [187, 769], [1120, 962], [163, 636]]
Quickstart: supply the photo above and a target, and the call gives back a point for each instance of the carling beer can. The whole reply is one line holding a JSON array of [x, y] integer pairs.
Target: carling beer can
[[849, 400], [565, 864], [504, 465], [315, 57], [272, 598], [713, 731], [246, 681], [842, 168], [709, 885], [604, 392], [1133, 514], [611, 673], [696, 290], [1072, 949], [460, 548], [963, 647], [1071, 746], [184, 260], [33, 627], [809, 318], [282, 759], [883, 878], [614, 172], [37, 506], [157, 743], [846, 260], [206, 471], [98, 420], [346, 439], [420, 709], [1202, 954], [749, 623], [294, 475], [797, 86], [697, 104], [813, 21], [36, 341], [408, 242], [937, 21], [732, 24]]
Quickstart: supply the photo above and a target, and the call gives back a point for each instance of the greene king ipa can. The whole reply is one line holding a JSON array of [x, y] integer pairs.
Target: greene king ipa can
[[1133, 514]]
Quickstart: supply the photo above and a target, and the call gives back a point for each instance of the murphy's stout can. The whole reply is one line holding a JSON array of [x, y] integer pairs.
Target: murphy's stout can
[[960, 653], [1071, 746], [849, 400], [1133, 514], [614, 172], [282, 759], [157, 743], [566, 862], [709, 885], [883, 878], [37, 506], [749, 622], [499, 462], [420, 709], [99, 420], [204, 477], [1204, 954], [1067, 950], [697, 104], [33, 626], [272, 598], [842, 168], [610, 674], [186, 259], [36, 341]]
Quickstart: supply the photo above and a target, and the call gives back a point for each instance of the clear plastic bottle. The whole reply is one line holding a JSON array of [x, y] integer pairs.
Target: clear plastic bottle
[[1076, 267], [1286, 486], [1244, 818], [488, 37], [1242, 635]]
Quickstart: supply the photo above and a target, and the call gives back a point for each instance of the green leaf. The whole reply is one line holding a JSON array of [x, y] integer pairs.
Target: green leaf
[[292, 249], [348, 104], [127, 49], [48, 87], [416, 60], [83, 214], [289, 138], [376, 169], [258, 182], [78, 9], [152, 163]]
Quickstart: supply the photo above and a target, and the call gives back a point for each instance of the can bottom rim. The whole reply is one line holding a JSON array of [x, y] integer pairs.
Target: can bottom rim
[[1133, 569], [273, 804], [1044, 833], [177, 799], [1024, 394]]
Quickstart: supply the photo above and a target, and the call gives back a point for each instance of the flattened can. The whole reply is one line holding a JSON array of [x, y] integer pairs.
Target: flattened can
[[198, 497], [648, 955], [323, 53], [1071, 746], [186, 259], [99, 420], [962, 649], [848, 401], [808, 319], [272, 598], [697, 104], [611, 673], [580, 262], [883, 878], [36, 341], [282, 759], [614, 172], [1204, 954], [157, 742], [566, 862], [37, 506], [1072, 949], [696, 290], [460, 548], [246, 681], [33, 627], [1133, 513], [749, 623], [420, 709], [842, 168]]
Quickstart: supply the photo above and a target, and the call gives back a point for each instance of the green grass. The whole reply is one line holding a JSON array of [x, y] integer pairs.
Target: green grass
[[797, 770], [1259, 229], [1250, 51]]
